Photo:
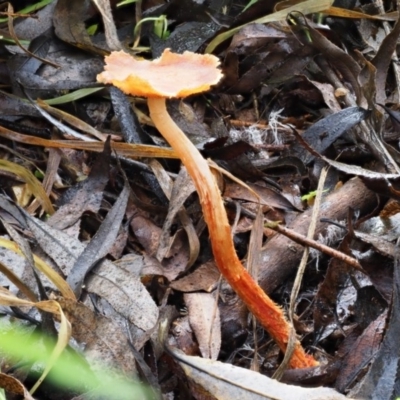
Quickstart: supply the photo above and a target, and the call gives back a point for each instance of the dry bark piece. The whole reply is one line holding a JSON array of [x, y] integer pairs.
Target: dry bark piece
[[157, 80]]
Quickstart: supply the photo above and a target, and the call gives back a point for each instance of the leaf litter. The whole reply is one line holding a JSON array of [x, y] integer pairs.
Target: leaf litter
[[114, 239]]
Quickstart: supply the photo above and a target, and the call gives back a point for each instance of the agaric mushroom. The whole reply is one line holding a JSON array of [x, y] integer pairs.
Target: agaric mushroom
[[181, 75]]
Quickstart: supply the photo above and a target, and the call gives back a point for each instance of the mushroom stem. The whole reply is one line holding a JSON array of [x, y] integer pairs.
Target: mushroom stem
[[263, 308]]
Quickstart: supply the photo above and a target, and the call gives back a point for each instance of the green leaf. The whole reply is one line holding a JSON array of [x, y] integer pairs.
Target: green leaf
[[249, 5], [71, 370], [306, 7], [30, 9], [92, 29], [76, 95], [311, 195], [126, 2]]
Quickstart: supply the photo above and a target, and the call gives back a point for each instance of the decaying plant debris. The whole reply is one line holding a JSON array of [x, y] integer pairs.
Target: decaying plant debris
[[113, 260]]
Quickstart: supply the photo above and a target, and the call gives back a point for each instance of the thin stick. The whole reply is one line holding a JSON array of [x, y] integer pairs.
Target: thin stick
[[300, 272], [304, 241], [314, 244]]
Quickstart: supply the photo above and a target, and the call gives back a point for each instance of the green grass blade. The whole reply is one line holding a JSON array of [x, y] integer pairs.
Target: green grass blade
[[307, 7], [72, 96]]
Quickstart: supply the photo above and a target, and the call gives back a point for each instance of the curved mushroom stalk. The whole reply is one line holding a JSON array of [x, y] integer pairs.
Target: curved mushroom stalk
[[264, 309]]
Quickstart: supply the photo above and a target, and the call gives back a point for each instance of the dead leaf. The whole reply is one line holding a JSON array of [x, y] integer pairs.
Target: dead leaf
[[324, 132], [204, 278], [86, 195], [381, 381], [268, 196], [109, 25], [126, 294], [105, 342], [100, 243], [122, 288], [225, 382], [69, 24], [339, 58], [382, 61], [205, 322], [361, 353], [14, 386]]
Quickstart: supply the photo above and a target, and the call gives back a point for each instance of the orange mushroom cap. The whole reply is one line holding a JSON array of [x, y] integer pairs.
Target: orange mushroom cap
[[171, 75]]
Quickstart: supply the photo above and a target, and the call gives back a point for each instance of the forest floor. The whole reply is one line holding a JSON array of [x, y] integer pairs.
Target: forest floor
[[257, 260]]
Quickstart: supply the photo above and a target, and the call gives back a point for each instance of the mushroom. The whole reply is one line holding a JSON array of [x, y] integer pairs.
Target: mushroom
[[176, 76]]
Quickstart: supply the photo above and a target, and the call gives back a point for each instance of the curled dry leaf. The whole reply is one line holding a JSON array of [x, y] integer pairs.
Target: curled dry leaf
[[177, 193], [225, 382], [14, 386], [205, 322], [43, 267], [33, 183]]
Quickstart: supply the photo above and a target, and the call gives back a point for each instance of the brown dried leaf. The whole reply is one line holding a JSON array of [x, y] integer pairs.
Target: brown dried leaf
[[205, 321], [203, 278], [342, 61], [268, 196], [328, 93], [182, 332], [119, 286], [69, 23], [14, 386], [108, 23], [382, 61], [382, 381], [105, 342], [361, 353], [177, 193]]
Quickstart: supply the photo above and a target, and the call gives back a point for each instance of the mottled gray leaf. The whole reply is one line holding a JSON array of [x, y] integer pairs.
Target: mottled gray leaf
[[225, 381], [324, 132], [120, 286], [127, 295], [100, 243], [86, 195]]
